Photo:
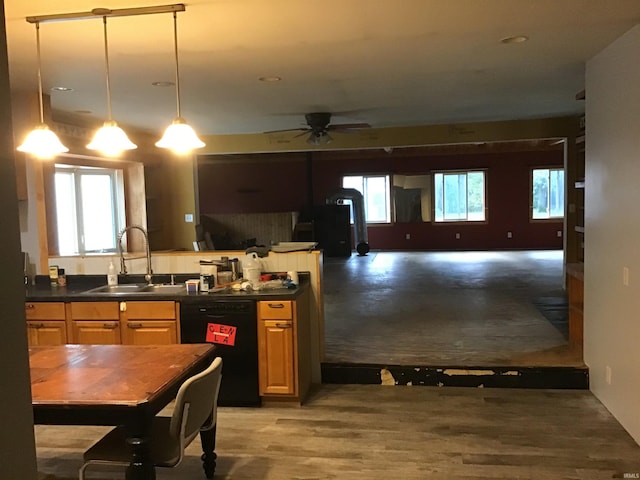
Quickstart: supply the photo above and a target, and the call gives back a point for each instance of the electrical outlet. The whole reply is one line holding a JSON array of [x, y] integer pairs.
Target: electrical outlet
[[509, 235], [607, 374], [407, 236], [559, 234], [188, 217], [625, 276], [457, 236]]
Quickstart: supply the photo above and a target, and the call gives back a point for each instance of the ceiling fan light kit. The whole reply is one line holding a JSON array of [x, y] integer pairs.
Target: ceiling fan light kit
[[110, 139], [318, 127]]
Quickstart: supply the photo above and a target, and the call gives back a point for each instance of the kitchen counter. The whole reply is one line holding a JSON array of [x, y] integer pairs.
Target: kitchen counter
[[78, 286]]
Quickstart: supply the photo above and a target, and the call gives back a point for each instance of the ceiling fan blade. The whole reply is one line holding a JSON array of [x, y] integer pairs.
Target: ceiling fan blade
[[348, 126], [303, 130], [303, 133]]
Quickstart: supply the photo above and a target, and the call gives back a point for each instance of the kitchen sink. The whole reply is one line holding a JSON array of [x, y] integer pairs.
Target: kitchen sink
[[167, 289], [124, 289], [136, 289]]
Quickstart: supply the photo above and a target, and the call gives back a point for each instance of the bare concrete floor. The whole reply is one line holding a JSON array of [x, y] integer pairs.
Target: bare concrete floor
[[445, 308]]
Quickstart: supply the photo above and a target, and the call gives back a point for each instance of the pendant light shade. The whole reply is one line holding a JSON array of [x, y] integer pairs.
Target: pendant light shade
[[41, 142], [179, 136], [110, 140]]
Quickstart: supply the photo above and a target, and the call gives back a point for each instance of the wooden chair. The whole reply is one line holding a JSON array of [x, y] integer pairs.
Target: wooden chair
[[196, 402]]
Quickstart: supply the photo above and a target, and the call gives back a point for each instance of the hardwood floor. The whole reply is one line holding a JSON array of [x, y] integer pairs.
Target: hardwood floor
[[445, 308], [377, 432]]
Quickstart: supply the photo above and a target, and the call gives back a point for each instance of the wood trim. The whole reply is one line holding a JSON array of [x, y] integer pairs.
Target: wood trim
[[41, 216]]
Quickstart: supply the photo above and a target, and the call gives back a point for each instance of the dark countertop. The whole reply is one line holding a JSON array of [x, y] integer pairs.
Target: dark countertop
[[78, 285]]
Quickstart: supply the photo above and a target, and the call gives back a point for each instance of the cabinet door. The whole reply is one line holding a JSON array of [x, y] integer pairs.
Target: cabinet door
[[44, 310], [149, 323], [149, 332], [88, 332], [46, 332], [276, 357], [95, 323]]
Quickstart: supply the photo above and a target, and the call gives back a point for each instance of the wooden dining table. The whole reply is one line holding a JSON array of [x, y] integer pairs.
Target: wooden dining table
[[116, 385]]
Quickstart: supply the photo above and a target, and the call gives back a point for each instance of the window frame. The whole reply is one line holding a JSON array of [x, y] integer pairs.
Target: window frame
[[388, 204], [117, 201], [550, 218], [466, 221], [134, 190]]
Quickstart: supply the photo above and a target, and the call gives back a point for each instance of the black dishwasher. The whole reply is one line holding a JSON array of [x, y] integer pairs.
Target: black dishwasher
[[232, 327]]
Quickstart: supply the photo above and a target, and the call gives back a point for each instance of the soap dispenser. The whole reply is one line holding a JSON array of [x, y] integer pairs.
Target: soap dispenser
[[112, 276]]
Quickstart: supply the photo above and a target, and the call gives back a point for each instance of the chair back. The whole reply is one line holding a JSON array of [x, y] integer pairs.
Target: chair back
[[197, 399]]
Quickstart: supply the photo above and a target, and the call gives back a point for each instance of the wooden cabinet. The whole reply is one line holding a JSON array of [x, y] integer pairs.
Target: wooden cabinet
[[277, 360], [149, 322], [94, 322], [283, 349], [46, 323], [134, 323]]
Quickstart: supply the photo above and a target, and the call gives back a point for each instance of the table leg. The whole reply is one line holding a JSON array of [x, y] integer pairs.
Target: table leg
[[141, 467], [208, 440]]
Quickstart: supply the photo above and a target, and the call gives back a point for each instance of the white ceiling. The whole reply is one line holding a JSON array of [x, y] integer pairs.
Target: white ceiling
[[387, 63]]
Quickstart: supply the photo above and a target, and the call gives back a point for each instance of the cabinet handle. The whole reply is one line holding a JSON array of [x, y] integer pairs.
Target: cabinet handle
[[134, 325], [29, 306], [276, 305], [110, 325], [283, 325], [36, 325]]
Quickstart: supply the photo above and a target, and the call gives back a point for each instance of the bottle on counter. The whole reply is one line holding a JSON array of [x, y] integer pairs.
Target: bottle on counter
[[112, 276]]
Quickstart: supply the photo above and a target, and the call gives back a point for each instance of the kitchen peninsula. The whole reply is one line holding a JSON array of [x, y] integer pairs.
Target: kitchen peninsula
[[275, 329]]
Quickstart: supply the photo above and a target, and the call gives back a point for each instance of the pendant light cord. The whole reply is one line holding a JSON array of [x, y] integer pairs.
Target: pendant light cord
[[175, 44], [40, 95], [106, 65]]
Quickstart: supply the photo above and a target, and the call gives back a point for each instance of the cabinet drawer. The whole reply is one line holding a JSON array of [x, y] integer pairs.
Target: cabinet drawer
[[275, 309], [44, 310], [150, 310], [94, 311]]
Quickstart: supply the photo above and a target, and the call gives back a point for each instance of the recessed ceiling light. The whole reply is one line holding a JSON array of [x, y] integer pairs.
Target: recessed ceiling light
[[163, 84], [270, 79], [61, 89], [516, 39]]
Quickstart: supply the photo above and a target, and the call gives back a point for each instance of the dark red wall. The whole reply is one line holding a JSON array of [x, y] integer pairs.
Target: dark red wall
[[282, 182]]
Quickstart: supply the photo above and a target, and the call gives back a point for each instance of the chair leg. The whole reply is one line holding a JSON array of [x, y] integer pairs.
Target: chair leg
[[208, 441]]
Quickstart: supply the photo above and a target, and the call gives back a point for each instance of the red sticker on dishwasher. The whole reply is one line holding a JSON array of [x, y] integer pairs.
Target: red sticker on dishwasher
[[222, 334]]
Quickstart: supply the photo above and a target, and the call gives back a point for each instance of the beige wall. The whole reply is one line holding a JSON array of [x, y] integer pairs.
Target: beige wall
[[17, 444], [399, 136], [612, 230]]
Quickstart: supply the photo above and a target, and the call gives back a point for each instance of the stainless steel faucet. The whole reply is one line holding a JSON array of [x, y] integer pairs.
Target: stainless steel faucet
[[123, 268]]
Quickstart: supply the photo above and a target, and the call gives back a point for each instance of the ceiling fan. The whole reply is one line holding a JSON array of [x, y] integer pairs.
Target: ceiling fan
[[319, 125]]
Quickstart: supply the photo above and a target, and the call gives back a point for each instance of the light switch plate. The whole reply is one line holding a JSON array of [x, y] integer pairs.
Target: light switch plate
[[188, 217]]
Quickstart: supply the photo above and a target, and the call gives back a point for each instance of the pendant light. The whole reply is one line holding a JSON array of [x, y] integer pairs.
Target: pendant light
[[110, 139], [179, 136], [41, 142]]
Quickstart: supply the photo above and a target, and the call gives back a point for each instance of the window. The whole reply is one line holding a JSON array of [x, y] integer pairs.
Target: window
[[375, 190], [89, 208], [547, 193], [459, 196]]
